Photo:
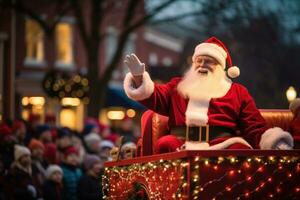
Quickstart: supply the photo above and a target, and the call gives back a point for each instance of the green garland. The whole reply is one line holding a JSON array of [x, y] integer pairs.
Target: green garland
[[60, 84]]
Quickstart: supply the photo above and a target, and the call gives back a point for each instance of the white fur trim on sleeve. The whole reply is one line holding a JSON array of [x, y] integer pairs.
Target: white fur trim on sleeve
[[272, 136], [143, 92]]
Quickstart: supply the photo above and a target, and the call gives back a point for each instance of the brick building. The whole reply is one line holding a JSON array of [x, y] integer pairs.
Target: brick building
[[27, 53]]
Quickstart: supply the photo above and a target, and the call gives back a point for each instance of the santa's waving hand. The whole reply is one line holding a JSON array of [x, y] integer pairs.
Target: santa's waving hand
[[135, 66]]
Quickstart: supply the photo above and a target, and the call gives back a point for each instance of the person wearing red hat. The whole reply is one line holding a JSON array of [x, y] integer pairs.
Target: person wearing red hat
[[6, 133], [51, 153], [7, 142], [205, 100], [19, 131], [72, 173], [38, 163]]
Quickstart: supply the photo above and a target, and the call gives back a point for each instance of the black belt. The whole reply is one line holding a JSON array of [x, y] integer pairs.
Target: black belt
[[213, 132]]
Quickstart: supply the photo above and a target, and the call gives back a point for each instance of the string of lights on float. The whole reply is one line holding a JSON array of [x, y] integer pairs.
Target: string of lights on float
[[171, 175], [255, 173], [257, 163]]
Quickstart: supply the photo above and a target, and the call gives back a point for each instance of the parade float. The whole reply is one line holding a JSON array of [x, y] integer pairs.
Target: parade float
[[205, 174]]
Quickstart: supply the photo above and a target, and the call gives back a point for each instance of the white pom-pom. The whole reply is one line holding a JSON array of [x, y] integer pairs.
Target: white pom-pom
[[233, 72]]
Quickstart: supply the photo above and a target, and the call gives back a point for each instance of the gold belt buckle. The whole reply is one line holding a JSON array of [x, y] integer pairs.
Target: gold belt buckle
[[200, 133]]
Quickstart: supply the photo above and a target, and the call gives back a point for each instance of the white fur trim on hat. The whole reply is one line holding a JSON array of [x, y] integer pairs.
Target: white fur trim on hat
[[143, 92], [20, 151], [233, 71], [91, 138], [272, 136], [213, 50], [196, 112], [51, 169]]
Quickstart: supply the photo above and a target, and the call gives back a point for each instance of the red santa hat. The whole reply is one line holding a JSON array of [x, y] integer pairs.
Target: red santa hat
[[216, 49]]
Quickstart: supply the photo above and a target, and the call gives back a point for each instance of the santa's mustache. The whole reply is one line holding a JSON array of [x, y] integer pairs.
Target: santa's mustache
[[203, 82], [203, 69]]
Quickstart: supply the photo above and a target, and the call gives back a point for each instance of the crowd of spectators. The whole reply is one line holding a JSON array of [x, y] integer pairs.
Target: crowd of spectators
[[43, 161]]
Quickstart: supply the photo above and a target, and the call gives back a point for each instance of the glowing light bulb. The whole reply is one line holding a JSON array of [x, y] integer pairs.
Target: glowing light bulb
[[206, 162], [228, 189]]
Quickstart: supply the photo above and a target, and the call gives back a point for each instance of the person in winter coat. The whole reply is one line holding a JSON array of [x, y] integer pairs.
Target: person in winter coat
[[19, 178], [53, 188], [72, 173], [39, 164], [89, 187]]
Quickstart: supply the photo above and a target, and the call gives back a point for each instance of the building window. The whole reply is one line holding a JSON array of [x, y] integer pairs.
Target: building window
[[111, 44], [64, 45], [34, 37], [153, 59], [167, 61]]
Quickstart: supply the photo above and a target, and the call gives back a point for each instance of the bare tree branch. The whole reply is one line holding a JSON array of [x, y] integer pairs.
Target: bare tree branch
[[25, 10], [114, 61], [175, 18], [19, 7], [149, 16], [96, 18], [80, 21], [130, 12]]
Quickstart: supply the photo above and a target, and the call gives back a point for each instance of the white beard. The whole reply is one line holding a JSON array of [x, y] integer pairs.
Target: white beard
[[199, 89], [199, 86]]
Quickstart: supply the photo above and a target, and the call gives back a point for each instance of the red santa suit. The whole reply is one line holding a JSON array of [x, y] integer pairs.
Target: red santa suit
[[236, 110]]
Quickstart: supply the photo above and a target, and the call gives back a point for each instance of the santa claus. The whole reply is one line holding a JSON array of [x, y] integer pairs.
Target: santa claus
[[206, 101]]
